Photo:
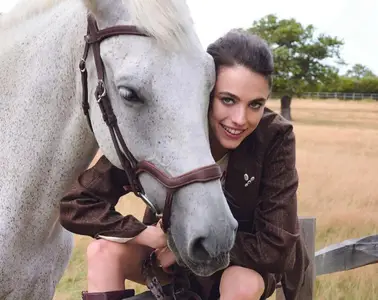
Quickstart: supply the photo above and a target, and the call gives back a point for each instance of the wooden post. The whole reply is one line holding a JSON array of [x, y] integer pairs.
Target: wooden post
[[285, 107], [308, 230]]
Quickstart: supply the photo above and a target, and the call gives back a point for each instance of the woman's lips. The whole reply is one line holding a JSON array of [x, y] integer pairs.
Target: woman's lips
[[232, 132]]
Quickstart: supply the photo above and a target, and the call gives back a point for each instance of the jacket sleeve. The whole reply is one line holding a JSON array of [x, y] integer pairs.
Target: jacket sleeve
[[89, 207], [270, 247]]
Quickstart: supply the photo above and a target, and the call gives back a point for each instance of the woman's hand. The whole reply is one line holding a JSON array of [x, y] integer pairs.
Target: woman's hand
[[164, 255], [165, 258], [153, 237]]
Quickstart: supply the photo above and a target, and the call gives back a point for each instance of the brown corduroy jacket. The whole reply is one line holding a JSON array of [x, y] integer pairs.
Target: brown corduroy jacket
[[265, 205]]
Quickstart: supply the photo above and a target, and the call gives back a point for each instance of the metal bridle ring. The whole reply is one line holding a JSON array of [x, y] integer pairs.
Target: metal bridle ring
[[82, 66], [149, 204]]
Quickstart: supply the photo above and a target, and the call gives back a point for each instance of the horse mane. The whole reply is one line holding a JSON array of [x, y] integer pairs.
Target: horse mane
[[168, 21]]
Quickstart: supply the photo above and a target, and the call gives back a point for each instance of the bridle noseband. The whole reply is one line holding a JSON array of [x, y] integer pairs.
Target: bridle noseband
[[132, 167]]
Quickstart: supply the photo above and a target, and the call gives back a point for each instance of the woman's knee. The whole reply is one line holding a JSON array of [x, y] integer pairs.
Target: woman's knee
[[103, 252], [241, 283], [122, 260]]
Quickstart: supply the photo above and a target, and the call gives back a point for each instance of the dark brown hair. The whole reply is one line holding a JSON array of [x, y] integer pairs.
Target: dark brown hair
[[239, 47]]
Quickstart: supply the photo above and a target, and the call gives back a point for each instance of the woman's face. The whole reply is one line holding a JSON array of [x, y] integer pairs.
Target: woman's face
[[238, 104]]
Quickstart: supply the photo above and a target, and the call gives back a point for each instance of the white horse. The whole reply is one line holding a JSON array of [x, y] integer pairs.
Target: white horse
[[46, 141]]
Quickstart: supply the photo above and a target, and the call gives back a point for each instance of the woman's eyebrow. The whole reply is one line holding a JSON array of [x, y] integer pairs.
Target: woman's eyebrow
[[228, 94], [258, 99]]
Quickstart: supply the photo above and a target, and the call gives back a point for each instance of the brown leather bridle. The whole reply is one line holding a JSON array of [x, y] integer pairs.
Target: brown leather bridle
[[131, 166]]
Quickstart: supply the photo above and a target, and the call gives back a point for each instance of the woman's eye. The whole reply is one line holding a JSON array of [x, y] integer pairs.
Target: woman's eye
[[129, 95], [228, 100], [256, 105]]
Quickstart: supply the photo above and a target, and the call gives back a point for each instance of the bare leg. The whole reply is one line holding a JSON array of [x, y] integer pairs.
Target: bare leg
[[110, 263], [238, 283]]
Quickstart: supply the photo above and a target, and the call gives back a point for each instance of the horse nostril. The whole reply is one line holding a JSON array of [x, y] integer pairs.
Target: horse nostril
[[198, 249]]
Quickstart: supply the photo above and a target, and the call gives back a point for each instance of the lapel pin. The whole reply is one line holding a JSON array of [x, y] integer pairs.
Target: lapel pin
[[248, 180]]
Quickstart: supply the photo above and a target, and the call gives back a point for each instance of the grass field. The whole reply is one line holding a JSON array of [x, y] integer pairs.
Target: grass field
[[337, 159]]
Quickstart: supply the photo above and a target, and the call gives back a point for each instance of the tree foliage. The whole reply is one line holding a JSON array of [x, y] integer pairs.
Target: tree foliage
[[300, 55], [344, 84], [358, 79], [359, 71]]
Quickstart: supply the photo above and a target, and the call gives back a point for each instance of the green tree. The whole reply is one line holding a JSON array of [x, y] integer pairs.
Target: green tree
[[300, 56], [360, 71], [344, 84]]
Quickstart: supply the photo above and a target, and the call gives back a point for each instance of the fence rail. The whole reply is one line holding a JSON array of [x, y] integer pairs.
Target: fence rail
[[344, 256], [342, 96]]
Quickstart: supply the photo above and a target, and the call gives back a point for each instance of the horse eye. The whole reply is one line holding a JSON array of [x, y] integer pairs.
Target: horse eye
[[129, 95]]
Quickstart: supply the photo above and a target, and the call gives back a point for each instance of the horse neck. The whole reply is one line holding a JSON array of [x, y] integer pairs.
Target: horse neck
[[39, 70], [42, 53]]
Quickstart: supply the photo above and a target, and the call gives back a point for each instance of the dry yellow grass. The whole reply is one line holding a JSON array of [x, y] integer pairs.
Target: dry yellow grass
[[337, 157]]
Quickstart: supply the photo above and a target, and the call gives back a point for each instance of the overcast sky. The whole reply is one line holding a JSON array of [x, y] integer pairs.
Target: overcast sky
[[354, 21]]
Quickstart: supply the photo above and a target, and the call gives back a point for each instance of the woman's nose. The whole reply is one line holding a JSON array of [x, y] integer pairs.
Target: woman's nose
[[239, 116]]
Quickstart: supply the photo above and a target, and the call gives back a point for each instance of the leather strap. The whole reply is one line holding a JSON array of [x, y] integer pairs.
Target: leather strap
[[93, 38], [204, 174]]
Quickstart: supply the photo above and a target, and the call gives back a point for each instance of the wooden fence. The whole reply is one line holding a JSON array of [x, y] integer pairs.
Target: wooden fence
[[341, 96], [347, 255]]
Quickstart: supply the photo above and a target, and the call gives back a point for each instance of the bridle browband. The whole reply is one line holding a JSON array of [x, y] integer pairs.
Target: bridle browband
[[132, 167]]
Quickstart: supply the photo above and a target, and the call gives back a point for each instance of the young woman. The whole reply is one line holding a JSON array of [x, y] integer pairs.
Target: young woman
[[255, 148]]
